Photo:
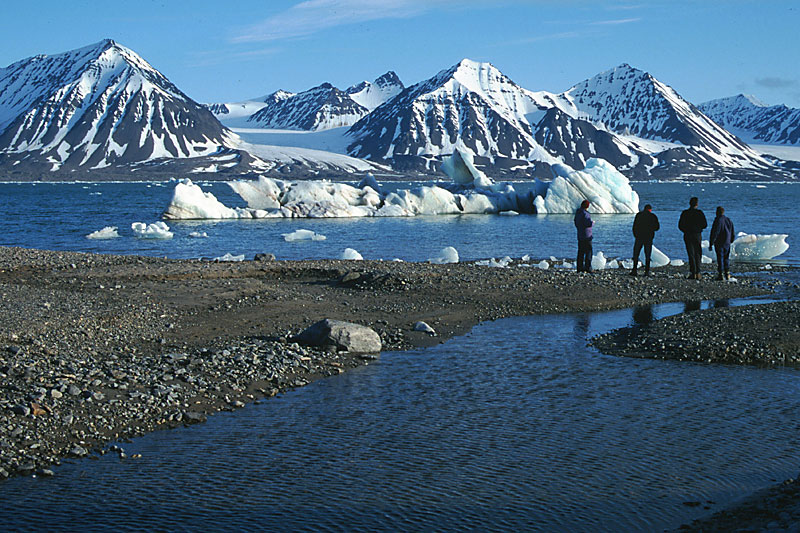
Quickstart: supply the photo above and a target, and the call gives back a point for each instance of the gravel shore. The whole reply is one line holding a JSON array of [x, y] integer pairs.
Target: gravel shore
[[97, 348]]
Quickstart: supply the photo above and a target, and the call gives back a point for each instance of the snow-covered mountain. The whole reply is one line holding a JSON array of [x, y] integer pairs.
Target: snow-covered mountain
[[631, 102], [320, 108], [755, 121], [373, 94], [624, 115], [99, 106]]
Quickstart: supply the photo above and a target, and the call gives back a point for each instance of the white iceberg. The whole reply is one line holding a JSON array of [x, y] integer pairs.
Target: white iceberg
[[229, 258], [755, 247], [599, 261], [658, 258], [109, 232], [351, 255], [156, 230], [447, 255], [543, 265], [303, 235], [606, 188], [198, 235], [470, 192]]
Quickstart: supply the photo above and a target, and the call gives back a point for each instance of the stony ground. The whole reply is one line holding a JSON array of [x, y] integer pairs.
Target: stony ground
[[95, 349]]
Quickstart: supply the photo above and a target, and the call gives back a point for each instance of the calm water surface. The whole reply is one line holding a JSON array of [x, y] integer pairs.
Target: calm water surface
[[515, 425], [59, 216]]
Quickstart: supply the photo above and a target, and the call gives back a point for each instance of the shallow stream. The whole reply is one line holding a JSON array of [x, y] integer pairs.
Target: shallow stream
[[516, 425]]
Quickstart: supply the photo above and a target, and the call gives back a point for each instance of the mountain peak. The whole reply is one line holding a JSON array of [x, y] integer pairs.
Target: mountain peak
[[390, 78]]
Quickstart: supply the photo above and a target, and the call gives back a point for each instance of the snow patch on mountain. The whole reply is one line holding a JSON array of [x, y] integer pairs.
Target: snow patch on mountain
[[754, 121]]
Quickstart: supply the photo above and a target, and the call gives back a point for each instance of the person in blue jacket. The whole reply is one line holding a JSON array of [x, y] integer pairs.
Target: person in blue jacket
[[584, 224], [721, 239]]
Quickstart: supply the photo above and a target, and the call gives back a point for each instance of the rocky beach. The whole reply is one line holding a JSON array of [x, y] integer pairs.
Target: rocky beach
[[96, 349]]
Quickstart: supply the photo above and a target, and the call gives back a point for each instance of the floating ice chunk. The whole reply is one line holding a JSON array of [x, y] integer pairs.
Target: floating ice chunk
[[198, 234], [677, 262], [109, 232], [156, 230], [525, 258], [706, 260], [749, 247], [766, 267], [493, 263], [447, 255], [508, 213], [461, 169], [351, 255], [229, 258], [303, 235], [658, 258], [628, 264], [599, 261], [543, 265], [553, 259], [607, 189], [190, 202], [612, 264]]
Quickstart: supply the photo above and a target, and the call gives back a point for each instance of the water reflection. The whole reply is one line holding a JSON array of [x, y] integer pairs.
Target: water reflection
[[643, 315]]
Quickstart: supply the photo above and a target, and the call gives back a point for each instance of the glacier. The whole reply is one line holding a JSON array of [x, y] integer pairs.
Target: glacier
[[469, 192]]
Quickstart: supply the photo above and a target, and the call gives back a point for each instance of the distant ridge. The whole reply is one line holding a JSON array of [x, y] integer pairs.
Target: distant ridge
[[755, 121]]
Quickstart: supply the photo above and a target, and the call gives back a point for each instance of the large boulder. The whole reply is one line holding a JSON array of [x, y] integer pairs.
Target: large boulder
[[345, 336]]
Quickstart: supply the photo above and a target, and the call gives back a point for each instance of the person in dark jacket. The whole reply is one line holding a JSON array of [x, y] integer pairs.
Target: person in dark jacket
[[645, 226], [584, 224], [692, 223], [721, 239]]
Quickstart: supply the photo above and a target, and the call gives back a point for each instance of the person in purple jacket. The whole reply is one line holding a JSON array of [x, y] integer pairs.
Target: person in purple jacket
[[721, 239], [584, 223]]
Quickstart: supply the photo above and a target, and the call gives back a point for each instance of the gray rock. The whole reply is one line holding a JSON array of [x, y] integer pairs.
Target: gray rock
[[350, 277], [73, 390], [264, 257], [343, 335], [22, 410], [193, 417], [78, 451]]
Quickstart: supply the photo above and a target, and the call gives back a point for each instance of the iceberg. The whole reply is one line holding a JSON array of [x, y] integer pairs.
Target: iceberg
[[447, 255], [303, 235], [109, 232], [351, 255], [606, 188], [229, 258], [469, 192], [156, 230], [757, 247]]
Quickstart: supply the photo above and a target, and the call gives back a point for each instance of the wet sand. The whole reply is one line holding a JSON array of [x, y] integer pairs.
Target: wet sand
[[97, 348]]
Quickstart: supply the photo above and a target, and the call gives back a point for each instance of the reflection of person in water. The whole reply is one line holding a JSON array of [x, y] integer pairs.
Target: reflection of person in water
[[693, 305], [643, 314], [721, 303]]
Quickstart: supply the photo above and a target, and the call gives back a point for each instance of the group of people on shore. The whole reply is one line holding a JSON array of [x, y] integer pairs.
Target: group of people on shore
[[645, 225]]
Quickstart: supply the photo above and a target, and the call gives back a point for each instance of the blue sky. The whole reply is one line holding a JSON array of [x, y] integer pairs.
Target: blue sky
[[218, 52]]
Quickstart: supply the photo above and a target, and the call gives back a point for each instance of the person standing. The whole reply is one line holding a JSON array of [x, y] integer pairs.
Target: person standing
[[721, 239], [645, 226], [584, 224], [692, 223]]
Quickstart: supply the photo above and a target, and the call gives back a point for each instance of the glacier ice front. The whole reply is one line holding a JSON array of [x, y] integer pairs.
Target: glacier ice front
[[470, 192]]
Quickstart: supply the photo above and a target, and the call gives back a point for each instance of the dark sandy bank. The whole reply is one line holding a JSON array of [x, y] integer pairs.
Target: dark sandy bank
[[97, 348]]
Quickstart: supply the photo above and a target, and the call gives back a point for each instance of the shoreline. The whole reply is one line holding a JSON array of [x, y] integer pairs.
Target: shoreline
[[100, 348]]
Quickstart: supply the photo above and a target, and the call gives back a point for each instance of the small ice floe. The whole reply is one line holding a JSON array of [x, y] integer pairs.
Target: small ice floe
[[422, 326], [706, 260], [156, 230], [508, 213], [766, 267], [447, 255], [198, 234], [658, 258], [749, 247], [677, 262], [494, 263], [351, 255], [109, 232], [761, 186], [525, 258], [229, 258], [599, 261], [628, 263], [612, 264], [543, 265], [303, 235]]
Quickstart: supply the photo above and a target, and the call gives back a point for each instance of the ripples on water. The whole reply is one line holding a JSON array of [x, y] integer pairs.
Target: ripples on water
[[517, 425]]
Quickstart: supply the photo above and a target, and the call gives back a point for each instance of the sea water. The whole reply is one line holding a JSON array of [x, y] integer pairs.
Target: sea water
[[517, 425], [59, 216]]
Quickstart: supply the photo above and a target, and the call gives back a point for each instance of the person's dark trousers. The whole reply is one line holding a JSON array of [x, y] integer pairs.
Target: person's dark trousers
[[723, 255], [694, 250], [648, 251], [584, 255]]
